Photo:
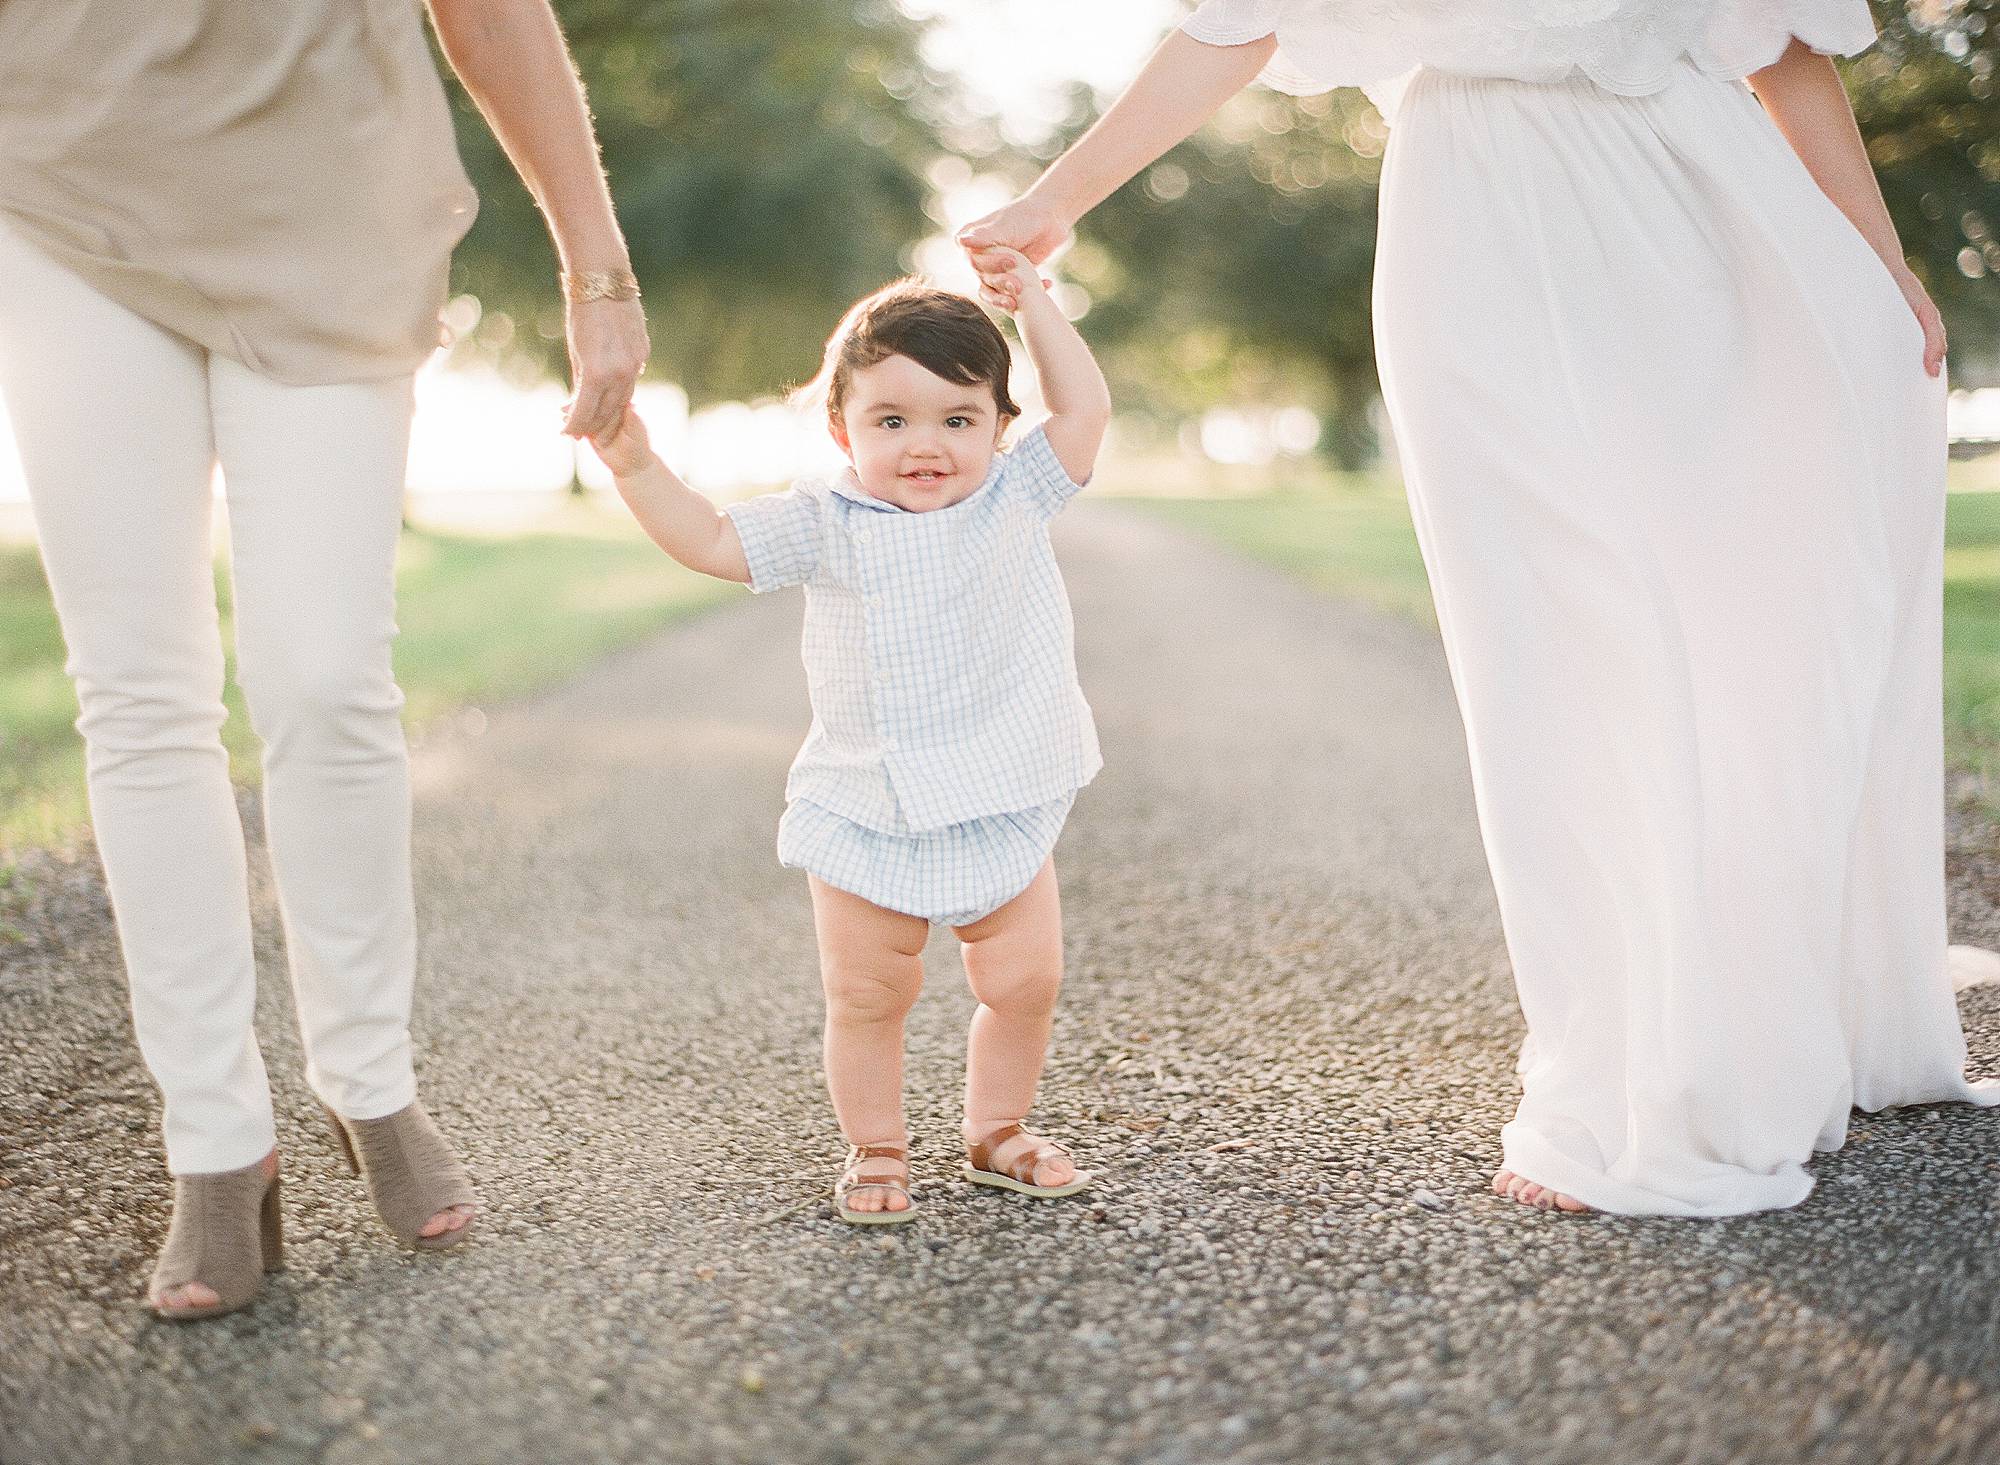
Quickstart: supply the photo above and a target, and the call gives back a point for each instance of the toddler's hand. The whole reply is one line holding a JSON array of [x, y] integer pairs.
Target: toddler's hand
[[1006, 277], [624, 446]]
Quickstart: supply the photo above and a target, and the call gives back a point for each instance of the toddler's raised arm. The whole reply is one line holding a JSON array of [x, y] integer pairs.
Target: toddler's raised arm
[[1072, 385], [679, 520]]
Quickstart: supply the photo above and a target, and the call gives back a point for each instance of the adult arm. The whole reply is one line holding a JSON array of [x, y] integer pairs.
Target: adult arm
[[512, 58], [1181, 87], [1802, 93]]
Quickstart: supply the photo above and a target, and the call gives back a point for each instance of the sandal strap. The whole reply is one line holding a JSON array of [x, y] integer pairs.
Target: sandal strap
[[877, 1152], [1033, 1157], [852, 1178], [853, 1175], [1025, 1162], [981, 1154]]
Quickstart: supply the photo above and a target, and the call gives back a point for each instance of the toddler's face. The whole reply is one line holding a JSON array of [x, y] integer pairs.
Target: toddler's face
[[917, 440]]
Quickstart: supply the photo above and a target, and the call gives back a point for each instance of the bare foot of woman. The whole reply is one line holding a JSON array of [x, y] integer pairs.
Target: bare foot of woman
[[452, 1218], [1520, 1188]]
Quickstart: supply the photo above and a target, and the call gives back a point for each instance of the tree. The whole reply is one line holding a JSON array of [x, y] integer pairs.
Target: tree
[[766, 159], [1925, 99], [1244, 260], [1240, 265]]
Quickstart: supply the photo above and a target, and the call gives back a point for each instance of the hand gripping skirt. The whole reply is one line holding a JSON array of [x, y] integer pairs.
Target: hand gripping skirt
[[1678, 474], [953, 876]]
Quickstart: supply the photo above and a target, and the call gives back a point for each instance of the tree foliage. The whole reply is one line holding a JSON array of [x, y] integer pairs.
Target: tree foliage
[[766, 159], [1240, 265], [1925, 99], [1243, 261]]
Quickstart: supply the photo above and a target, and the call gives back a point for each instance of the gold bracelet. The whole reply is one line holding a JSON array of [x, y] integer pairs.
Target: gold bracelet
[[587, 285]]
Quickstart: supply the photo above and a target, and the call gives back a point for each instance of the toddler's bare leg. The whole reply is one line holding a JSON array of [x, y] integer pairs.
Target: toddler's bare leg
[[1013, 959], [871, 965]]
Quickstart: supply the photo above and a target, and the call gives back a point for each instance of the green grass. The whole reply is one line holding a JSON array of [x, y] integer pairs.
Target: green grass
[[1350, 534], [1972, 634], [1346, 534], [487, 617], [482, 616]]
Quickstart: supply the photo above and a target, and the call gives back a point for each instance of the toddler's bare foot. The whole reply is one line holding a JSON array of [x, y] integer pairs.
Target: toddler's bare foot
[[1015, 1159], [875, 1185], [1520, 1188], [1054, 1171], [866, 1197]]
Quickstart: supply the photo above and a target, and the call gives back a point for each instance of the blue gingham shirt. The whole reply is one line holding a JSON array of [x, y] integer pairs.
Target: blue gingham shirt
[[939, 649]]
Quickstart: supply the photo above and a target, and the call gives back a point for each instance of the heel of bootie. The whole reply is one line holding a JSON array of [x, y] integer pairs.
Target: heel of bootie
[[225, 1234], [340, 1133], [271, 1227], [411, 1174]]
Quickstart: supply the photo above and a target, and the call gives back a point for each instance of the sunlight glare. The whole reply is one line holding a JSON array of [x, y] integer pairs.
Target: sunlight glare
[[1018, 57]]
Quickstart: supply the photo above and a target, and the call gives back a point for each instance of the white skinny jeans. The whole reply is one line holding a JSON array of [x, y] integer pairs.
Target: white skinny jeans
[[120, 423]]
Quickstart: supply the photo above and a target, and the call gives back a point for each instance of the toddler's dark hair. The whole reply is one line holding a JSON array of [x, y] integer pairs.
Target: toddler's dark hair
[[946, 334]]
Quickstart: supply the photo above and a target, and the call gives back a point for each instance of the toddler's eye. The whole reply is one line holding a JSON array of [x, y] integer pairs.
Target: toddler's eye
[[958, 422], [892, 422]]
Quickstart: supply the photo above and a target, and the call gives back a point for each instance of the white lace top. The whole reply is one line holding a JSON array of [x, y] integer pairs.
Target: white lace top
[[1625, 46]]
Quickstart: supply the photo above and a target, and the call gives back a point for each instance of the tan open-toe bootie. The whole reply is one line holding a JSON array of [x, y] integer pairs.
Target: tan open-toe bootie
[[411, 1173], [226, 1233]]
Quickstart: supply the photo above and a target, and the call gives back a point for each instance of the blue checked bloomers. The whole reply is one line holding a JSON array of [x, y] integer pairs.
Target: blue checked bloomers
[[949, 734]]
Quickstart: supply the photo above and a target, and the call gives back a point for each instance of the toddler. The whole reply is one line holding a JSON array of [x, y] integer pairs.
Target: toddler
[[949, 735]]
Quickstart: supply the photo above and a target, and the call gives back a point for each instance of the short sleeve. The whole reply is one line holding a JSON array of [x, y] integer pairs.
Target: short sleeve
[[1743, 36], [1319, 42], [1232, 22], [782, 534], [1035, 474]]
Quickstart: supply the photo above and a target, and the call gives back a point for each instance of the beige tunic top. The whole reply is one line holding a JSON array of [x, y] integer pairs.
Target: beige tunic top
[[274, 179]]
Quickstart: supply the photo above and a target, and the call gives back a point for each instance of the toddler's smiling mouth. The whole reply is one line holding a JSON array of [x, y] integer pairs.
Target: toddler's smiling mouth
[[926, 475]]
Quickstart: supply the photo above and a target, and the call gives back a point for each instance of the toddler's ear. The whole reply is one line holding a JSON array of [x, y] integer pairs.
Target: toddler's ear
[[838, 429]]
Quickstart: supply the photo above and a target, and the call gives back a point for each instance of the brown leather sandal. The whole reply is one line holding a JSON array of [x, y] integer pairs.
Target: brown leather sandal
[[411, 1173], [851, 1180], [227, 1232], [1008, 1158]]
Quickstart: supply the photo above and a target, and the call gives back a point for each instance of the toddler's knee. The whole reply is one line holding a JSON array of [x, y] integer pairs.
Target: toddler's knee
[[861, 996], [1025, 986]]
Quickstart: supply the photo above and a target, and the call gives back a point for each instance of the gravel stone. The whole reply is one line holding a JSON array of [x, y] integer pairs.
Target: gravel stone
[[1287, 1037]]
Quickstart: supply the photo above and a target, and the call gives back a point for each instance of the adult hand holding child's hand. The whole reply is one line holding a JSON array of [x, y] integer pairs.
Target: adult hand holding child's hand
[[608, 346], [1017, 235], [1033, 228], [623, 447], [1006, 278]]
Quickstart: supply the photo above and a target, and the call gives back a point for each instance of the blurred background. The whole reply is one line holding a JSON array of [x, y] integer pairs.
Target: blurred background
[[772, 160]]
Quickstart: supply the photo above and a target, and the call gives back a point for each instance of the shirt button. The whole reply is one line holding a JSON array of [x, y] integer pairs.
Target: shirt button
[[861, 534], [875, 600]]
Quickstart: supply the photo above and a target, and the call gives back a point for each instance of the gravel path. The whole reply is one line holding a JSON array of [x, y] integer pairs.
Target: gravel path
[[1288, 1030]]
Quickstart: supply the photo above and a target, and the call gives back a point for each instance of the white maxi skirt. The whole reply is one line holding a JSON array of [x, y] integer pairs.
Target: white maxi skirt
[[1678, 474]]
